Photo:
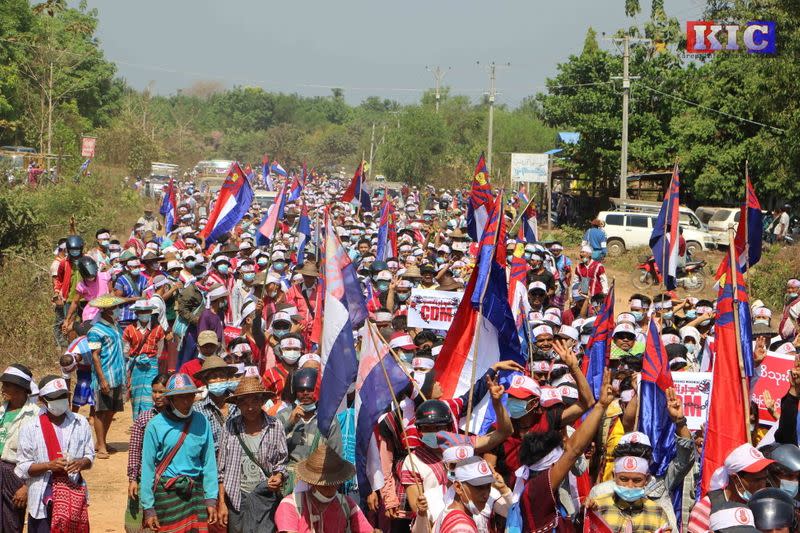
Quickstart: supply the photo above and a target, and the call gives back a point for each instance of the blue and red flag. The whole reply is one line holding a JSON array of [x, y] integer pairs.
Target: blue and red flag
[[665, 238], [356, 192], [249, 173], [303, 234], [518, 299], [487, 295], [598, 349], [344, 307], [727, 427], [273, 216], [232, 203], [295, 190], [480, 200], [654, 420], [387, 232], [278, 169], [529, 225], [747, 242], [169, 206], [265, 174]]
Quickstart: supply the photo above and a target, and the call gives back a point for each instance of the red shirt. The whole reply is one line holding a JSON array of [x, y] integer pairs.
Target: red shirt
[[191, 368]]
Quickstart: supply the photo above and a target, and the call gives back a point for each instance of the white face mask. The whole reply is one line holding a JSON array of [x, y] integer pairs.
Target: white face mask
[[181, 415], [321, 497], [290, 356], [58, 407]]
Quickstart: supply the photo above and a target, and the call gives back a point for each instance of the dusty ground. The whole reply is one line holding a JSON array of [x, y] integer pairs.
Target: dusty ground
[[107, 480]]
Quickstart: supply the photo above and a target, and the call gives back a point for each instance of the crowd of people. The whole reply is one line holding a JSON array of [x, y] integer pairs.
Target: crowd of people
[[210, 351]]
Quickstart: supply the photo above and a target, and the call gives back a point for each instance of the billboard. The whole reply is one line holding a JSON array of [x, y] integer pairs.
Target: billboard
[[87, 146], [529, 168]]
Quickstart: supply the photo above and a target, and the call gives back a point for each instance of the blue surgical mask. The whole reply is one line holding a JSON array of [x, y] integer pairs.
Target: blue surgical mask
[[402, 296], [428, 438], [691, 347], [135, 272], [190, 264], [280, 333], [789, 487], [223, 269], [262, 261], [307, 407], [629, 494], [218, 389], [637, 315], [382, 286], [249, 276], [74, 253], [691, 313], [279, 266], [667, 316], [439, 260], [517, 408]]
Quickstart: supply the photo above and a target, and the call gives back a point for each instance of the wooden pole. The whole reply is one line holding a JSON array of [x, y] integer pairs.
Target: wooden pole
[[734, 281]]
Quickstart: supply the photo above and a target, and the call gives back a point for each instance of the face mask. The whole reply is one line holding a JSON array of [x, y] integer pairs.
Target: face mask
[[307, 407], [517, 408], [744, 493], [280, 333], [322, 498], [691, 314], [585, 260], [509, 258], [223, 269], [190, 264], [218, 389], [279, 266], [667, 316], [383, 286], [691, 348], [705, 322], [181, 415], [789, 295], [439, 260], [402, 296], [116, 313], [407, 356], [58, 407], [143, 318], [290, 356], [789, 487], [135, 272], [74, 253], [272, 294], [262, 262], [629, 494], [250, 276], [105, 244], [527, 255], [428, 438], [472, 508], [637, 315]]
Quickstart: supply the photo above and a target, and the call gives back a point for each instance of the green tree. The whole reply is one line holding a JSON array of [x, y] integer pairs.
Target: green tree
[[413, 152]]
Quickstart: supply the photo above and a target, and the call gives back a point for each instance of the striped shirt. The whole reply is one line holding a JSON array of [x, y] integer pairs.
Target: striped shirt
[[272, 454], [130, 288], [106, 338], [135, 444], [700, 519]]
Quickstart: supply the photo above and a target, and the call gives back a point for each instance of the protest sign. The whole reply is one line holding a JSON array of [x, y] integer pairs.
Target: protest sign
[[771, 375], [694, 388], [431, 309]]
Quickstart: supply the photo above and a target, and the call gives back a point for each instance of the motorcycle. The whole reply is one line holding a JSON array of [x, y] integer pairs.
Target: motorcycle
[[692, 277]]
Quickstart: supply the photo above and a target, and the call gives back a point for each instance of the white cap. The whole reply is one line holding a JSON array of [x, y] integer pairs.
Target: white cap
[[635, 437], [744, 458], [174, 264], [475, 471], [624, 327], [537, 285], [690, 331], [568, 332], [542, 330]]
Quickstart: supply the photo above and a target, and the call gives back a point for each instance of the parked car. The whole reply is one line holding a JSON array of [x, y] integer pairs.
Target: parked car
[[627, 230], [723, 218]]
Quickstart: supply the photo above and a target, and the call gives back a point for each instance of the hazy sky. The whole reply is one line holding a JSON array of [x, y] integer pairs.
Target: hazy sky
[[367, 47]]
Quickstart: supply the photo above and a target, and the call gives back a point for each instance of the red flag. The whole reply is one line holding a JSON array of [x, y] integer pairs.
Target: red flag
[[594, 523]]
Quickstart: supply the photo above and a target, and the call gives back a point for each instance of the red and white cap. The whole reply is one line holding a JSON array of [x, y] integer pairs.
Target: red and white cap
[[568, 332], [549, 396], [635, 437], [744, 458], [523, 387], [541, 367], [624, 327], [402, 341], [475, 471], [537, 285], [762, 313], [542, 330]]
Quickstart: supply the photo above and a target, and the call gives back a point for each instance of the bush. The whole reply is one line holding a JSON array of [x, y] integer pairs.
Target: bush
[[768, 278]]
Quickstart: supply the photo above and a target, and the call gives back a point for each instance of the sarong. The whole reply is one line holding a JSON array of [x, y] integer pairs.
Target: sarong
[[11, 518], [181, 513], [143, 372]]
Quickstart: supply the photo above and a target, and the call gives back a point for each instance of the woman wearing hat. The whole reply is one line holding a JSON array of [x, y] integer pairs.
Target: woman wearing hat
[[179, 485], [252, 461], [15, 411], [317, 506], [54, 447]]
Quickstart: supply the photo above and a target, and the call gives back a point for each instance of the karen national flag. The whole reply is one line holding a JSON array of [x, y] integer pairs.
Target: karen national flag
[[727, 427], [275, 215], [356, 192], [483, 307], [654, 420], [265, 174], [233, 201], [664, 239], [169, 206], [747, 241], [480, 200], [303, 234], [278, 169], [528, 223], [387, 232], [598, 349], [295, 190], [344, 307]]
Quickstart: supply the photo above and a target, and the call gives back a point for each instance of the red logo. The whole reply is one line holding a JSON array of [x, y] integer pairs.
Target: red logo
[[742, 516], [634, 438], [483, 468], [629, 463], [756, 454], [59, 384], [517, 381], [461, 453]]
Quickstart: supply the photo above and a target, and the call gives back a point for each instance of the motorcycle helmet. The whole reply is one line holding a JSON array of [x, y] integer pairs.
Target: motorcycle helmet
[[75, 245], [305, 378], [433, 413], [772, 509], [87, 267]]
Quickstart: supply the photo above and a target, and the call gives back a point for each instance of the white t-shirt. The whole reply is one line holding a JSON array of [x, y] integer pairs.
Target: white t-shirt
[[782, 227]]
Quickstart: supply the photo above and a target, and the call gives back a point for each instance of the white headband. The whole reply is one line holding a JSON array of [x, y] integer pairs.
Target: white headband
[[542, 330], [474, 469], [631, 464], [249, 307], [731, 517], [14, 371], [426, 363], [540, 366], [548, 460], [103, 236], [636, 302], [667, 304], [55, 385]]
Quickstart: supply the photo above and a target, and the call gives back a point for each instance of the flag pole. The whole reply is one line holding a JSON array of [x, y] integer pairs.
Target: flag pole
[[746, 223], [399, 362], [734, 281], [518, 221], [479, 322], [417, 477]]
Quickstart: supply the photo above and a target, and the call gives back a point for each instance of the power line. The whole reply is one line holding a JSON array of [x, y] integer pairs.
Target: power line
[[701, 106]]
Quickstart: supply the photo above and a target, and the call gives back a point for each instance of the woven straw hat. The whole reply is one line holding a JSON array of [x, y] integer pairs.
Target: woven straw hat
[[412, 273], [107, 301], [249, 386], [324, 467], [214, 362]]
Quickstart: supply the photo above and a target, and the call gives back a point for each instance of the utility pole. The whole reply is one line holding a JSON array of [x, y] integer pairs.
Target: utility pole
[[626, 78], [492, 94], [438, 76]]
